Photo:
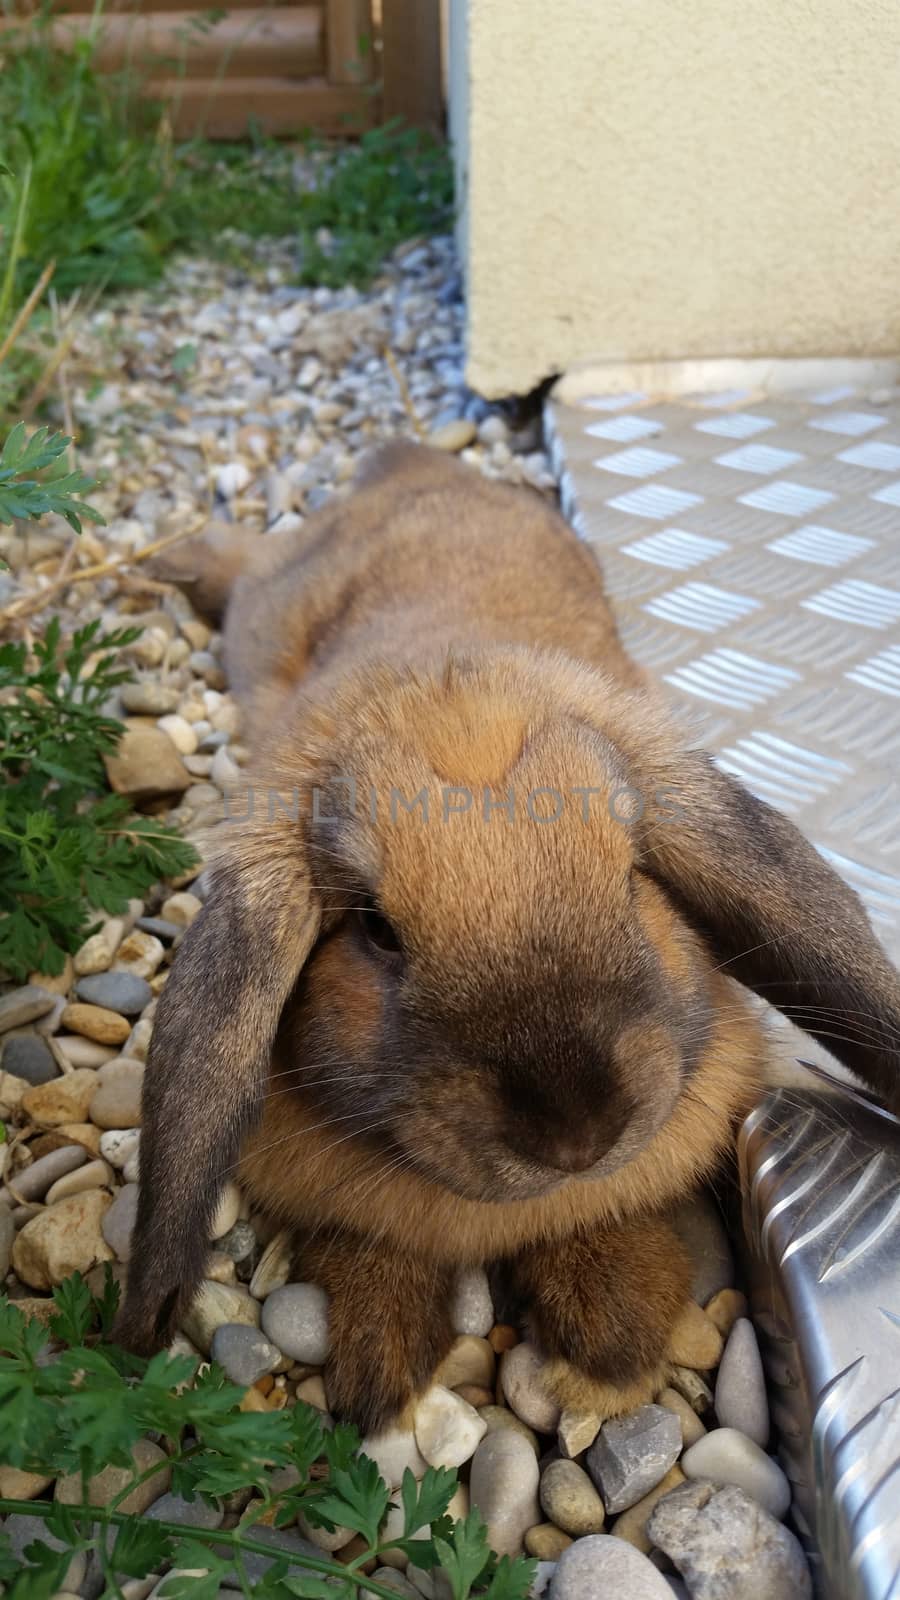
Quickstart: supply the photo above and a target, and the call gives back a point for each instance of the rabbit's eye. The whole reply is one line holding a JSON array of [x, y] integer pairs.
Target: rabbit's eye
[[380, 933]]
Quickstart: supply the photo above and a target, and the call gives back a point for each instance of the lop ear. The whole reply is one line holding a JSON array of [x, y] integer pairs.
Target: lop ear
[[779, 919], [206, 1074]]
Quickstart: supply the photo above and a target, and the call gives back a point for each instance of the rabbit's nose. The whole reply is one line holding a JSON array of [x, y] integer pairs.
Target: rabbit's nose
[[576, 1150]]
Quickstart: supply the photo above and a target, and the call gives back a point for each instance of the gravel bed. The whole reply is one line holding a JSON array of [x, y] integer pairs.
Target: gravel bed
[[249, 400]]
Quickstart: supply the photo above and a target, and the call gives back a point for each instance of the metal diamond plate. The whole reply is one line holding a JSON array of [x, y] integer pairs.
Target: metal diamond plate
[[771, 613], [756, 571]]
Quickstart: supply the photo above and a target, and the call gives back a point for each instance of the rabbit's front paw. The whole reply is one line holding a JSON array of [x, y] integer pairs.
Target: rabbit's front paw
[[389, 1328], [602, 1306]]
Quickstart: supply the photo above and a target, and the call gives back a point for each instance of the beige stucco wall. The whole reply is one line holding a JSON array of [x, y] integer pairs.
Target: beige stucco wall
[[667, 178]]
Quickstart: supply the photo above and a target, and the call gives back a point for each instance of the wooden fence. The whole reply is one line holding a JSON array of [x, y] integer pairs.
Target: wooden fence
[[334, 67]]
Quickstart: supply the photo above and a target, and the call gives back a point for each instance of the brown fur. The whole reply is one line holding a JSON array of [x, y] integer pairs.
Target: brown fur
[[553, 1058]]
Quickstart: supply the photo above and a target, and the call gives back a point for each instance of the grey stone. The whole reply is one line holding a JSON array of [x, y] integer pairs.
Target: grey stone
[[392, 1579], [602, 1567], [123, 992], [239, 1242], [728, 1457], [295, 1318], [472, 1309], [160, 928], [741, 1399], [570, 1501], [118, 1222], [503, 1486], [24, 1005], [727, 1548], [245, 1353], [284, 1542], [26, 1056], [522, 1381], [33, 1183], [196, 1513], [631, 1455], [26, 1530], [700, 1227]]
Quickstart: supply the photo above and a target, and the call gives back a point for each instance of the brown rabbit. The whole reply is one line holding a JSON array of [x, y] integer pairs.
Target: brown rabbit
[[462, 990]]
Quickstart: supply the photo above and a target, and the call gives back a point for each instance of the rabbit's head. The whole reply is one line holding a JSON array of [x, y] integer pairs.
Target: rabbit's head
[[487, 900]]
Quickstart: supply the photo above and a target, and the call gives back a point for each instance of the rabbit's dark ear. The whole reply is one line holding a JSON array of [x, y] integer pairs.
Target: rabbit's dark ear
[[206, 1075], [779, 919]]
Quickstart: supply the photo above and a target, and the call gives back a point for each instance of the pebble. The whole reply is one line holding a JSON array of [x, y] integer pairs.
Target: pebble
[[631, 1525], [543, 1577], [312, 1392], [546, 1542], [577, 1430], [322, 1538], [145, 764], [497, 1418], [453, 436], [116, 1102], [724, 1309], [245, 1353], [181, 908], [7, 1236], [24, 1005], [604, 1568], [448, 1430], [66, 1099], [728, 1457], [392, 1580], [34, 1181], [58, 983], [213, 1305], [632, 1454], [148, 698], [741, 1400], [695, 1340], [118, 1223], [239, 1244], [227, 1210], [274, 1266], [471, 1309], [63, 1239], [121, 992], [25, 1531], [726, 1548], [700, 1227], [521, 1379], [285, 1541], [196, 1513], [181, 733], [18, 1485], [118, 1145], [469, 1360], [97, 952], [141, 953], [93, 1175], [569, 1499], [95, 1022], [112, 1480], [28, 1057], [694, 1389], [692, 1428], [295, 1318], [503, 1486], [79, 1052], [393, 1450]]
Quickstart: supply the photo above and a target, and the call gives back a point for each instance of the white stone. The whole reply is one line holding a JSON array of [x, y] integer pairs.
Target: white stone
[[725, 1456], [448, 1430], [521, 1371], [741, 1399], [471, 1309]]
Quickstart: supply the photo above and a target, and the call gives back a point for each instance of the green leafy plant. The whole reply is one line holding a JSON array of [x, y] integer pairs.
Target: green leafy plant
[[35, 479], [72, 1404], [66, 844], [394, 185]]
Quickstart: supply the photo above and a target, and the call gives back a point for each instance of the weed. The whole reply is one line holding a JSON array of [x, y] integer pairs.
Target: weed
[[70, 1403]]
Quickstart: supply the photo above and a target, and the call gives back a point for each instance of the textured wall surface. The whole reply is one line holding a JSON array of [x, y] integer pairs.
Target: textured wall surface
[[668, 178]]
